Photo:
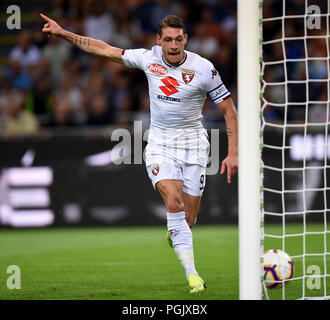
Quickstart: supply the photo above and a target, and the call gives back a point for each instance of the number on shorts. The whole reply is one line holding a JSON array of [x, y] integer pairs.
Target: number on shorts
[[202, 181]]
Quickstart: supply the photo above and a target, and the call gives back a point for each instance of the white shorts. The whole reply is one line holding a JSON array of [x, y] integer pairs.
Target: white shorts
[[192, 175]]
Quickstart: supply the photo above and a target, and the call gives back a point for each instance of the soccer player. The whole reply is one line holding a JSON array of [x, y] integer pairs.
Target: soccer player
[[178, 146]]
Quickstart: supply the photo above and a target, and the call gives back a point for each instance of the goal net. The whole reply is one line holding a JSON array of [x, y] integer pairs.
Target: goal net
[[295, 119]]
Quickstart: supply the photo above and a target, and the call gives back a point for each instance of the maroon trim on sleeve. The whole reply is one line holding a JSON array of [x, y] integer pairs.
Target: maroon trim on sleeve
[[123, 52]]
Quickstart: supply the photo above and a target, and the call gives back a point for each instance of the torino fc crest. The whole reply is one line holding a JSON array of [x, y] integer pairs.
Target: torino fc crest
[[187, 75], [155, 169]]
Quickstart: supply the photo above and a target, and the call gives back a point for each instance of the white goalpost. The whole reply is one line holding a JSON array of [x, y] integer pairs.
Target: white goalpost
[[284, 119], [248, 30]]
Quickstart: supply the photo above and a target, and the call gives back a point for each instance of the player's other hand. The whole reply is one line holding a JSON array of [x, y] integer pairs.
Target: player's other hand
[[51, 27], [231, 163]]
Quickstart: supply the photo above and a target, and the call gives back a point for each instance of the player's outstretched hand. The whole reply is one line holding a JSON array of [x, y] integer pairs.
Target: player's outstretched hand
[[51, 27], [231, 163]]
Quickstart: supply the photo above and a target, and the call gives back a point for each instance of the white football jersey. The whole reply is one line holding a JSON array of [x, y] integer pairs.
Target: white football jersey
[[177, 96]]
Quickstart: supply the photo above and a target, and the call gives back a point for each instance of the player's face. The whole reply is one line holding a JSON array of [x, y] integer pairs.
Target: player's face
[[172, 42]]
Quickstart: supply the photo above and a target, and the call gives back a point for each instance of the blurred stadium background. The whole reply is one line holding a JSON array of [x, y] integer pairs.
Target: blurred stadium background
[[59, 106]]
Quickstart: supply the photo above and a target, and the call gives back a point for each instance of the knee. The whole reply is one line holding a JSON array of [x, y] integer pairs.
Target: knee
[[171, 193], [174, 204]]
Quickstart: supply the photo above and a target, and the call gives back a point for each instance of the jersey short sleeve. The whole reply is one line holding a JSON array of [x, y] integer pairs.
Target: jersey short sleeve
[[135, 58], [213, 84]]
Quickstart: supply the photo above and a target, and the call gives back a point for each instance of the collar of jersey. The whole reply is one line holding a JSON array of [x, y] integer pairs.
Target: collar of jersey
[[172, 66]]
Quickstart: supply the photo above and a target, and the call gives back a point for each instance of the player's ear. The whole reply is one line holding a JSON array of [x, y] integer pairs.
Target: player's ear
[[158, 39], [185, 38]]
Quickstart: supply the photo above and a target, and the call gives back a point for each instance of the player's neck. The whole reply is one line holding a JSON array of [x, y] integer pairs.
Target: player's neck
[[176, 64]]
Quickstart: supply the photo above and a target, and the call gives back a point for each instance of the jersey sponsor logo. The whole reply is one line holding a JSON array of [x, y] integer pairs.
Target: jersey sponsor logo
[[170, 86], [157, 68], [155, 169], [214, 73], [164, 98], [187, 75]]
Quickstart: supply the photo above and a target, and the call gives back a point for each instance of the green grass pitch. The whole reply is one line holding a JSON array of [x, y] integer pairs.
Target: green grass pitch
[[115, 263], [132, 263]]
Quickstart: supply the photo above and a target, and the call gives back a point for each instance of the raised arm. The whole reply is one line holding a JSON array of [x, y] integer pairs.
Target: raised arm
[[230, 114], [89, 45]]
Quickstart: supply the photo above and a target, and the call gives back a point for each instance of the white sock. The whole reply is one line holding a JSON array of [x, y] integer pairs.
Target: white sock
[[182, 240], [186, 258]]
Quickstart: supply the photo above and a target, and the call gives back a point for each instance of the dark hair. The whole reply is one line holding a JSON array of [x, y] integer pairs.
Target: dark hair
[[171, 21]]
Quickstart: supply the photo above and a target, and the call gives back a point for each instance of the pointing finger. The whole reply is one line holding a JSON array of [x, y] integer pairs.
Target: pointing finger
[[45, 17]]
